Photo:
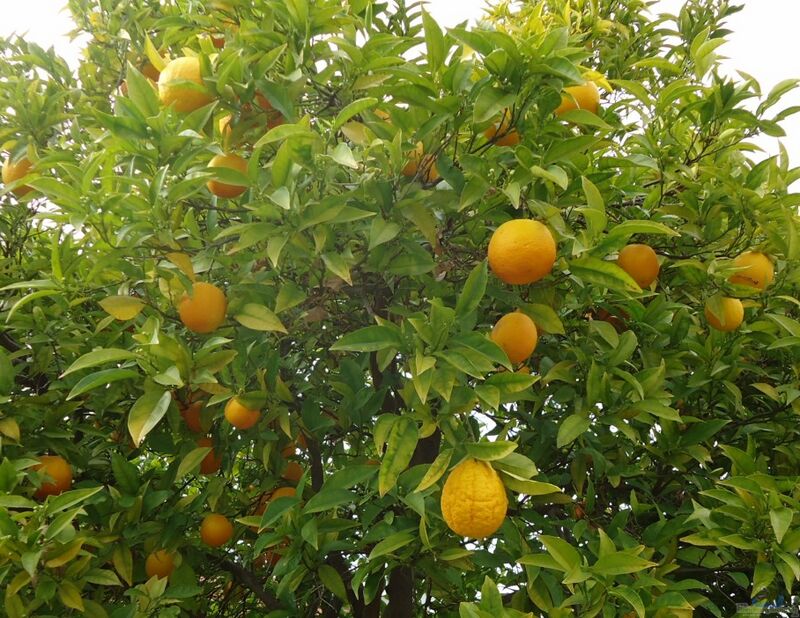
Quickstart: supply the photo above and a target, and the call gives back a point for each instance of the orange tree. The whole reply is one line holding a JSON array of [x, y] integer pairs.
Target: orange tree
[[260, 357]]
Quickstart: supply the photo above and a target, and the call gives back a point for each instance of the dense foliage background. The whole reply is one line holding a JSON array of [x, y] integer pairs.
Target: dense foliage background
[[359, 307]]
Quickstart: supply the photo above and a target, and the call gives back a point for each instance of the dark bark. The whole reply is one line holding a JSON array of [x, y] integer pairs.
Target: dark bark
[[401, 593], [250, 581]]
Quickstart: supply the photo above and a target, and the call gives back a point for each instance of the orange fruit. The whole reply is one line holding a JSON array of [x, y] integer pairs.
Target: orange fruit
[[292, 472], [181, 84], [150, 72], [191, 415], [522, 251], [159, 563], [274, 117], [240, 416], [516, 334], [13, 171], [263, 503], [422, 164], [641, 263], [212, 462], [474, 501], [59, 470], [502, 133], [203, 311], [732, 315], [586, 97], [233, 162], [758, 271], [216, 530]]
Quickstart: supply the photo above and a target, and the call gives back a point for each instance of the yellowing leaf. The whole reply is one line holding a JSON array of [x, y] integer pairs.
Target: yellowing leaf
[[122, 307], [68, 553], [9, 428], [153, 56], [70, 595], [184, 262]]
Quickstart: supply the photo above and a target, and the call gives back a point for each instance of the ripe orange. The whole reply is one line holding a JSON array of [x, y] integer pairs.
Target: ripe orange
[[263, 503], [274, 117], [181, 84], [758, 270], [641, 263], [292, 472], [732, 315], [240, 416], [233, 162], [522, 251], [474, 501], [516, 334], [159, 563], [586, 97], [422, 164], [191, 415], [59, 470], [13, 171], [212, 462], [216, 530], [150, 72], [203, 311], [502, 133]]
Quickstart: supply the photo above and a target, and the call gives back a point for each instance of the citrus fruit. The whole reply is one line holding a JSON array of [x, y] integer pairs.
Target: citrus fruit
[[641, 263], [191, 415], [233, 162], [150, 72], [58, 470], [586, 96], [474, 500], [516, 334], [522, 251], [292, 472], [264, 501], [159, 563], [181, 84], [203, 311], [502, 133], [212, 462], [758, 271], [215, 530], [732, 314], [239, 415], [274, 117], [422, 164], [13, 171]]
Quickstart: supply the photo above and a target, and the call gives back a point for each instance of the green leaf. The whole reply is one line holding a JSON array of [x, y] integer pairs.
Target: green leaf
[[6, 373], [329, 498], [290, 295], [70, 498], [631, 597], [102, 577], [473, 290], [338, 266], [369, 339], [351, 109], [436, 469], [392, 543], [282, 132], [517, 465], [382, 231], [531, 488], [490, 451], [656, 408], [399, 448], [621, 563], [258, 317], [70, 595], [332, 581], [434, 41], [594, 271], [28, 299], [544, 317], [145, 414], [572, 427], [100, 378], [628, 228], [562, 552], [781, 519], [191, 461], [99, 357]]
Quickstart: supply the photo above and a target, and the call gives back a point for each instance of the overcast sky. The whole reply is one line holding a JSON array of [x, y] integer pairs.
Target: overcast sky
[[763, 42]]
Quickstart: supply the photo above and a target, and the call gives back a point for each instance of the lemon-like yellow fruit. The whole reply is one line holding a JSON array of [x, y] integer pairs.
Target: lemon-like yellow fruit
[[216, 530], [732, 315], [203, 311], [641, 263], [13, 171], [160, 563], [586, 97], [474, 501], [239, 415], [522, 251], [516, 334], [181, 84], [758, 270]]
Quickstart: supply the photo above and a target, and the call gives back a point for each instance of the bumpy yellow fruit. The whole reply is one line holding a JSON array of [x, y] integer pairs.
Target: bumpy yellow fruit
[[522, 251], [517, 335], [758, 270], [474, 501]]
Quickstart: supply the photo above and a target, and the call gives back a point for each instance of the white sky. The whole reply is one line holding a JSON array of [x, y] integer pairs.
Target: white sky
[[763, 42]]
